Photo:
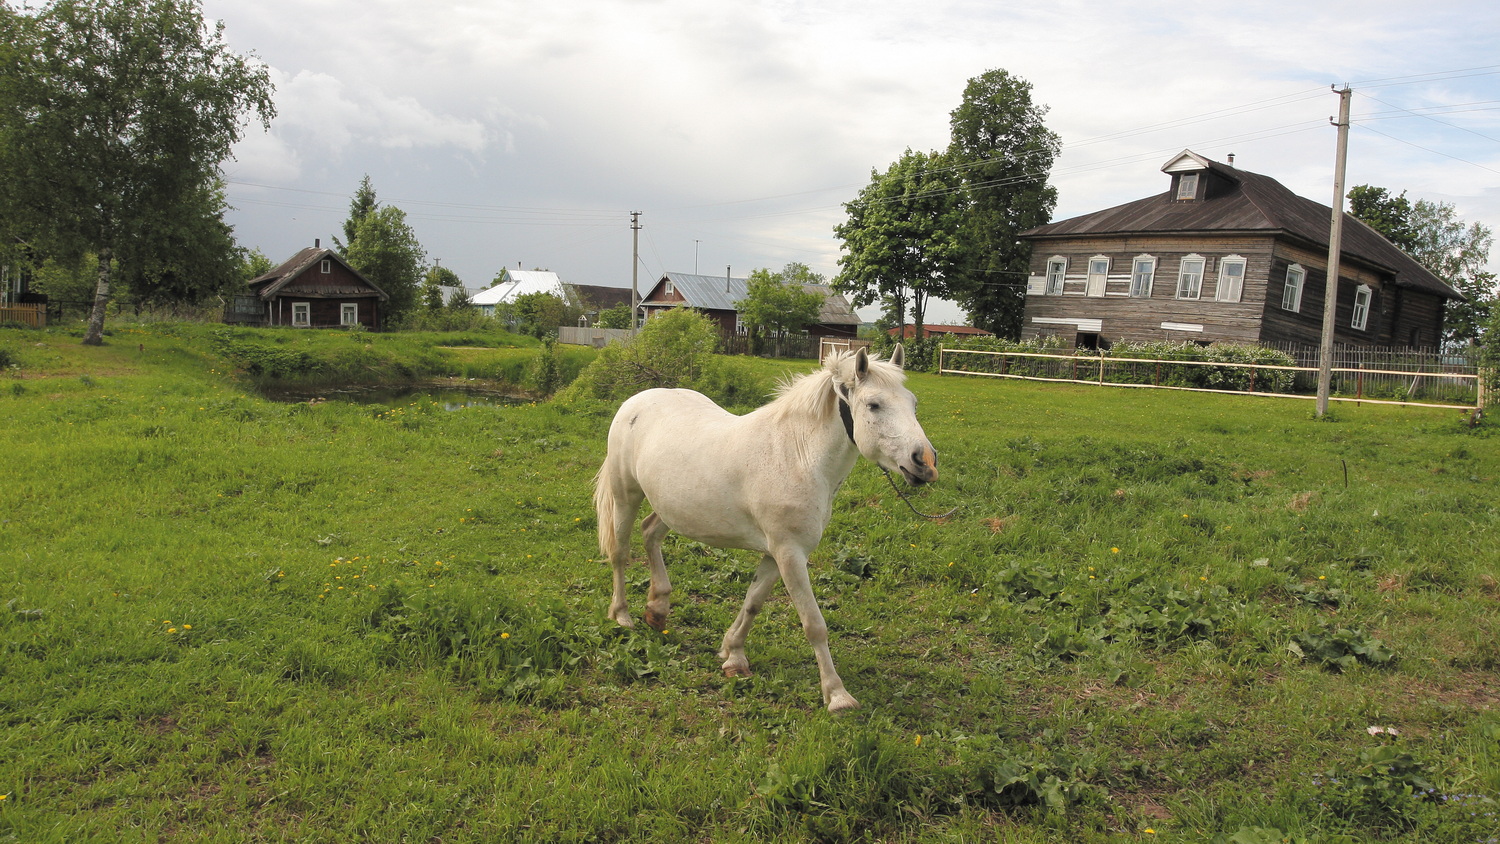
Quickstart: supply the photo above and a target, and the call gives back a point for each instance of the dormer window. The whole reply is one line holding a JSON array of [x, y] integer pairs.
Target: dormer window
[[1187, 186], [327, 266]]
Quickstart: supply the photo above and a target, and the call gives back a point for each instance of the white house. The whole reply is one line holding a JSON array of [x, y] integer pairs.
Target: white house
[[514, 283]]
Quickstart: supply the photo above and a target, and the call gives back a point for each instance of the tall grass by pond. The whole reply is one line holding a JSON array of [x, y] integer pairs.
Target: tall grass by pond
[[1156, 617]]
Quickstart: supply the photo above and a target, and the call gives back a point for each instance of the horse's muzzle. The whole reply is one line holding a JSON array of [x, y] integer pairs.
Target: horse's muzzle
[[923, 468]]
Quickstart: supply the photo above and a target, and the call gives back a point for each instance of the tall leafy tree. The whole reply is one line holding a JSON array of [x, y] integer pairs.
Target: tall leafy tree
[[903, 237], [360, 206], [777, 304], [114, 118], [1389, 215], [385, 249], [1004, 152], [435, 284], [1433, 234]]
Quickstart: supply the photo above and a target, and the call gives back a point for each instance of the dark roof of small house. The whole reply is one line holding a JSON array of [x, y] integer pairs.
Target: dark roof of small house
[[272, 282], [835, 309], [602, 298], [1254, 204]]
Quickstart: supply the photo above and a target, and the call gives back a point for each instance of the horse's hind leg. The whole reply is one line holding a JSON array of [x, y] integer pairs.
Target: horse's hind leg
[[616, 521], [659, 599], [733, 651]]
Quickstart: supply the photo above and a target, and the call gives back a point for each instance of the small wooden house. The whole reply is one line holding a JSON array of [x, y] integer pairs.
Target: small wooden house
[[715, 297], [1225, 255], [316, 288]]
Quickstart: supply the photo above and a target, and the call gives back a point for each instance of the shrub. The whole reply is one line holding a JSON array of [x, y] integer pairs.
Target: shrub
[[672, 350]]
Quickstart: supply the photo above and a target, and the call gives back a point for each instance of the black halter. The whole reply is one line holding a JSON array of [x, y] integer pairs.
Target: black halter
[[847, 415]]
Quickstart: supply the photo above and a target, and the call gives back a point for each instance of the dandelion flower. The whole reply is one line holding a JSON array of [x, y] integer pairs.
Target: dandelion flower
[[505, 635], [187, 627], [1114, 550], [171, 629], [918, 741]]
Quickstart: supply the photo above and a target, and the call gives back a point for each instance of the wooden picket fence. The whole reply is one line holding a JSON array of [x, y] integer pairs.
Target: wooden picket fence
[[32, 315]]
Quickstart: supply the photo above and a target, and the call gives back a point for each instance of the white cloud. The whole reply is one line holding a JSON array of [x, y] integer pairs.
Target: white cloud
[[739, 129]]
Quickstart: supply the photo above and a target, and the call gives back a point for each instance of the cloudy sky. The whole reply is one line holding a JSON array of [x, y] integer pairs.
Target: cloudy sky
[[522, 133]]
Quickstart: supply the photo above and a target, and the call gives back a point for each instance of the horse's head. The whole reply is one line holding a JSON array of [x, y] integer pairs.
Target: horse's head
[[880, 415]]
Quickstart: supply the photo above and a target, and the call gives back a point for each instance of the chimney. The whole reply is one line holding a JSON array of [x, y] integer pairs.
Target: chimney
[[317, 243], [1231, 159], [726, 279]]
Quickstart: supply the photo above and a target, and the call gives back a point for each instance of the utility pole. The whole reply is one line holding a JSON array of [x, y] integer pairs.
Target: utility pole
[[635, 263], [1335, 248]]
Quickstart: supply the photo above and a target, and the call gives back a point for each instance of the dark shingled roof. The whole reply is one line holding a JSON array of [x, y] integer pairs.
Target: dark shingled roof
[[1254, 204], [272, 282]]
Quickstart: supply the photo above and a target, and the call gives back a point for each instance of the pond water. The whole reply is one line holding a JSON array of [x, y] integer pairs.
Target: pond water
[[448, 398]]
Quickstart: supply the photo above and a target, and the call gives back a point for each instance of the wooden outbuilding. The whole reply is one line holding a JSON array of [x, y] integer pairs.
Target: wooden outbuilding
[[316, 288], [1224, 255], [715, 297]]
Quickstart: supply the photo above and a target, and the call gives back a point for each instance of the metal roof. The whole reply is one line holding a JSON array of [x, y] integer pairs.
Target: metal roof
[[719, 293], [519, 282]]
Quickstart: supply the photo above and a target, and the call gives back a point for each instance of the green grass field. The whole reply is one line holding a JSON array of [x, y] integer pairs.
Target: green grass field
[[1156, 616]]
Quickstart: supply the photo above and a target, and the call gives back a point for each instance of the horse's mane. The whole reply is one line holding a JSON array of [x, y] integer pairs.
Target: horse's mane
[[812, 395]]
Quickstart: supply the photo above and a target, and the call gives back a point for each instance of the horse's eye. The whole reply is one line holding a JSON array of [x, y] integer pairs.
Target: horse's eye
[[874, 405]]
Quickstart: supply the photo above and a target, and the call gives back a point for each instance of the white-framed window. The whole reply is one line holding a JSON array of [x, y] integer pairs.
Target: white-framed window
[[1190, 277], [349, 313], [668, 290], [1187, 186], [1231, 279], [301, 314], [1142, 270], [1098, 276], [1291, 294], [1057, 267], [1362, 295], [326, 266]]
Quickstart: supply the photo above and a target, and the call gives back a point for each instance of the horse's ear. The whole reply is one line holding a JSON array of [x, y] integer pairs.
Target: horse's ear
[[861, 364], [898, 357]]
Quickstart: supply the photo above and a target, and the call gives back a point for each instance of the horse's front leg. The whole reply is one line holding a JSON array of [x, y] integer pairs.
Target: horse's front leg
[[733, 651], [799, 586], [659, 598]]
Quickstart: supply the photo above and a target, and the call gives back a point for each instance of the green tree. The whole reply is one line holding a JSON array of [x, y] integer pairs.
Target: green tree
[[1457, 254], [539, 314], [114, 118], [1433, 234], [360, 205], [192, 257], [616, 317], [386, 251], [253, 264], [433, 286], [777, 304], [1389, 215], [1004, 152], [902, 240]]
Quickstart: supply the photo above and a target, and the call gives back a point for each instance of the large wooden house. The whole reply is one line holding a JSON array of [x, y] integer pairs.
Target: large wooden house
[[714, 296], [316, 288], [1224, 255]]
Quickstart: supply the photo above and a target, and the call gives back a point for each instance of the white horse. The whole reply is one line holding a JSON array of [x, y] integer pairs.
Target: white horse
[[764, 482]]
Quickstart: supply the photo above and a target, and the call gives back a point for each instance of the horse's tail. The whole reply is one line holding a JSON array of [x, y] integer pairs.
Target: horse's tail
[[604, 509]]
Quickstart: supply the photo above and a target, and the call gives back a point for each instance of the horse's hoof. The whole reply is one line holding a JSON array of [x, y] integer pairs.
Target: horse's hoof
[[657, 620], [737, 670], [842, 702], [624, 620]]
